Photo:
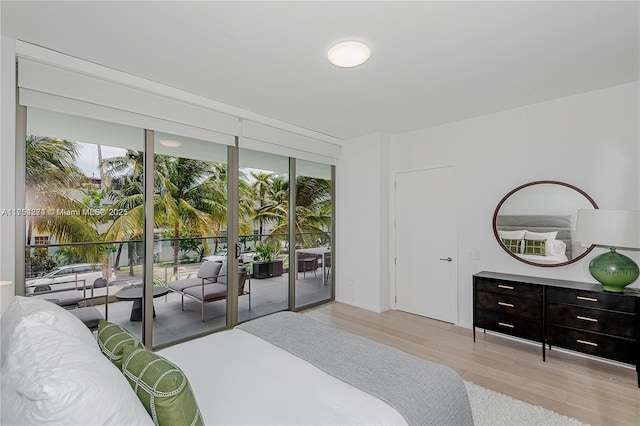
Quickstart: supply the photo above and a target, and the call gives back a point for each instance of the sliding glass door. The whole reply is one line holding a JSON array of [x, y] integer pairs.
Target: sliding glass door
[[313, 226], [264, 231], [190, 228], [82, 180]]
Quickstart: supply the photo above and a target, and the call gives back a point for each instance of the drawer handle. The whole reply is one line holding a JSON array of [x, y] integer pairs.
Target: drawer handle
[[504, 324], [580, 317], [508, 287], [588, 299], [508, 305], [585, 342]]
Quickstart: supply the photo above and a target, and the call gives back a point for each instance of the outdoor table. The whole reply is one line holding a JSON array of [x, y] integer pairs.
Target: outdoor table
[[319, 251], [134, 293]]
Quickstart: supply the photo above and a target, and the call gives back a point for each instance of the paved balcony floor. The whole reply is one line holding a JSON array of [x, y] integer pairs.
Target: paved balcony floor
[[171, 322]]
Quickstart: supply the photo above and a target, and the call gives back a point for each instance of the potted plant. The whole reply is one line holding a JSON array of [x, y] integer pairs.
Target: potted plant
[[265, 252], [266, 266]]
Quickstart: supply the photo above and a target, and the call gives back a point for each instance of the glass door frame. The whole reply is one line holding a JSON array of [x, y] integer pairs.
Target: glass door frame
[[147, 278], [21, 195], [233, 204]]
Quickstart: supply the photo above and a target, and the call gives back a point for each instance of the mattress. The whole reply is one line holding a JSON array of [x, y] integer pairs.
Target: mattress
[[287, 368], [240, 379]]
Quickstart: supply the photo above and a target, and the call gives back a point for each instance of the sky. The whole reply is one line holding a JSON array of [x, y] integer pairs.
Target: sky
[[87, 159]]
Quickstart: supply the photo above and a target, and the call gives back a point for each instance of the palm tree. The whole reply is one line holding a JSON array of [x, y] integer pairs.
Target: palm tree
[[313, 207], [193, 194], [273, 207], [52, 177], [246, 206], [189, 195], [126, 174], [261, 187]]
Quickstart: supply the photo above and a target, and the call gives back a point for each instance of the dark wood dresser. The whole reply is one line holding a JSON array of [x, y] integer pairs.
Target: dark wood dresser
[[572, 315]]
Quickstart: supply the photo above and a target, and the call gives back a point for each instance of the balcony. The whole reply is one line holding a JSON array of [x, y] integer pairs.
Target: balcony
[[171, 323]]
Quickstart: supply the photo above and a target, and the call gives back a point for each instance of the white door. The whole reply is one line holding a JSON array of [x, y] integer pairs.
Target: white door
[[426, 243]]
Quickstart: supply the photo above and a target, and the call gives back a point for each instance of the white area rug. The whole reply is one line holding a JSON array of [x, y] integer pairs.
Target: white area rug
[[492, 409]]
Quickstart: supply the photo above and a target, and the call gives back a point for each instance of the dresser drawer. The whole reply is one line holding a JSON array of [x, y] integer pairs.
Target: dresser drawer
[[592, 299], [607, 322], [511, 304], [572, 315], [509, 324], [506, 287], [615, 348]]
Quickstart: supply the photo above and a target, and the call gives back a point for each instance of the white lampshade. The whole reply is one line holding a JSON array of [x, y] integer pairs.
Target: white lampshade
[[611, 228]]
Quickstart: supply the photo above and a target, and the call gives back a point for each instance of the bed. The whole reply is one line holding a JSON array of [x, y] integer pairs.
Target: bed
[[285, 368], [561, 225]]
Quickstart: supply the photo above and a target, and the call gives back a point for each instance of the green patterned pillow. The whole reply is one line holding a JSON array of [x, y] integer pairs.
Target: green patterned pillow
[[512, 245], [535, 247], [112, 338], [162, 388]]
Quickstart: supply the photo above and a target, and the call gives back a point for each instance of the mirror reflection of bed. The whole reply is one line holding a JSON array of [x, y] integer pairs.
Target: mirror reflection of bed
[[536, 223], [555, 231]]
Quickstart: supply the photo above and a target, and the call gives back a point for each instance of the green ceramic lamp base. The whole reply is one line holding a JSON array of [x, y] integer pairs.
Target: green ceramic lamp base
[[614, 270]]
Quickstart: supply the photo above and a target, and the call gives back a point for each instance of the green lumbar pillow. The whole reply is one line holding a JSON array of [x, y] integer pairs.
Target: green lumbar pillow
[[512, 245], [112, 338], [162, 388], [535, 247]]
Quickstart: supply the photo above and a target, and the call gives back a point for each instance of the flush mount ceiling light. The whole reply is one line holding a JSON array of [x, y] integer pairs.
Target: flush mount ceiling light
[[170, 144], [348, 54]]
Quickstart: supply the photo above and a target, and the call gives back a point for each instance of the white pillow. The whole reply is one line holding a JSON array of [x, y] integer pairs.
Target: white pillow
[[511, 235], [52, 377], [556, 248], [41, 312], [548, 236], [540, 235]]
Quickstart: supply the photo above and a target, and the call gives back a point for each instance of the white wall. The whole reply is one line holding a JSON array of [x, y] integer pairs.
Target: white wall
[[7, 170], [590, 140], [362, 231]]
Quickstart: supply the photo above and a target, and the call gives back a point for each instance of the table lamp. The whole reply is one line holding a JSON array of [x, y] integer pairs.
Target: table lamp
[[613, 229]]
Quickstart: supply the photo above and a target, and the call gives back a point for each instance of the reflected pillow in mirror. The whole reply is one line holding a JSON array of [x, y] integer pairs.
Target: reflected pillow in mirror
[[512, 235], [535, 247], [514, 246], [556, 248]]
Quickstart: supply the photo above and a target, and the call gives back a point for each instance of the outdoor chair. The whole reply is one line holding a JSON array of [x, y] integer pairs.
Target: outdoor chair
[[327, 267], [211, 284], [73, 299], [207, 274], [307, 264]]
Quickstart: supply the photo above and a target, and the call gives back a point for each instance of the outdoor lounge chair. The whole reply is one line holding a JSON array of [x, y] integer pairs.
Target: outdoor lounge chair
[[76, 301], [207, 274], [211, 284]]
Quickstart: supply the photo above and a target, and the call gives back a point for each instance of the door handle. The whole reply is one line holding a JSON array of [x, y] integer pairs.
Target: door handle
[[448, 259]]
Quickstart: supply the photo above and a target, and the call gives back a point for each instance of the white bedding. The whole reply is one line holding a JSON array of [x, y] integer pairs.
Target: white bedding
[[239, 378], [544, 259]]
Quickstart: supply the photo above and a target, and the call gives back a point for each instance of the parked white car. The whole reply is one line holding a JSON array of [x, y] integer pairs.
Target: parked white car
[[221, 256], [77, 275]]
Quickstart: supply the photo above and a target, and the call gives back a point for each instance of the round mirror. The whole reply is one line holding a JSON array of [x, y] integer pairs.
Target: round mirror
[[536, 223]]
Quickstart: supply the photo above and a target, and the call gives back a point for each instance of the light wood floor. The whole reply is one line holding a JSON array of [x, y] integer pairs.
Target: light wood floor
[[591, 391]]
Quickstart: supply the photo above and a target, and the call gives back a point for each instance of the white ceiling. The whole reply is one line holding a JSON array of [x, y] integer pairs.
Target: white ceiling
[[431, 62]]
